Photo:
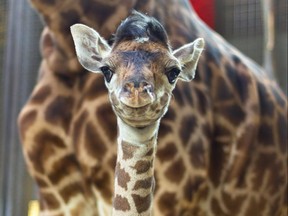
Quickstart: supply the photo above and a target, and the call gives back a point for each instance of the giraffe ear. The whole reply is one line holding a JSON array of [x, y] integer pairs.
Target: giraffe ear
[[188, 56], [91, 48]]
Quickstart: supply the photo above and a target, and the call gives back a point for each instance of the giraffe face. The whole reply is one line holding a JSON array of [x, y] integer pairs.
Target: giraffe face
[[140, 69]]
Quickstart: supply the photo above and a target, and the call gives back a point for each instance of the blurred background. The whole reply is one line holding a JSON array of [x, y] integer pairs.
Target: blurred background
[[241, 22]]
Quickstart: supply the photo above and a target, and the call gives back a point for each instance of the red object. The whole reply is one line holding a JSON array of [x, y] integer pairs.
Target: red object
[[205, 10]]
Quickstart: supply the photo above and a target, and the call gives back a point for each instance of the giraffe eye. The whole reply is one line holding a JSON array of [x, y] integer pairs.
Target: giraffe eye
[[172, 74], [107, 72]]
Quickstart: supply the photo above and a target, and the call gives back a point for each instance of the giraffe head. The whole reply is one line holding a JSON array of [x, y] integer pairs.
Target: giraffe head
[[140, 68]]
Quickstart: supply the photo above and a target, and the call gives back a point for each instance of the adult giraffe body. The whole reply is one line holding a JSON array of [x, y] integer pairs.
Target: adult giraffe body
[[222, 144]]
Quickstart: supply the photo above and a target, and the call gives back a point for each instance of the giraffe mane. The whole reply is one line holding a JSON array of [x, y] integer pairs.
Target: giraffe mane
[[141, 28]]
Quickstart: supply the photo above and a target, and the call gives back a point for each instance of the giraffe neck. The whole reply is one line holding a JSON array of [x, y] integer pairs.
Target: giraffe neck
[[134, 173]]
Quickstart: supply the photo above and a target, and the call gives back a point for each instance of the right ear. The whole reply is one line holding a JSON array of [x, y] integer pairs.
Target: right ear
[[91, 48]]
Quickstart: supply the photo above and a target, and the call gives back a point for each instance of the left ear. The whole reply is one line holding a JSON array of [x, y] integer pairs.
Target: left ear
[[188, 56]]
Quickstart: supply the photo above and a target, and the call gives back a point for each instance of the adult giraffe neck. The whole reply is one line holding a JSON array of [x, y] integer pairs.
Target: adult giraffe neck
[[134, 173]]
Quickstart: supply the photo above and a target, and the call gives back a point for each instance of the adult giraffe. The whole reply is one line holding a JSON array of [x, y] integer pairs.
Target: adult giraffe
[[222, 144]]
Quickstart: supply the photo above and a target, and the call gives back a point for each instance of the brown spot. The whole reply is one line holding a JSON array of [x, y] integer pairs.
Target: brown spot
[[26, 121], [217, 157], [188, 125], [223, 92], [67, 19], [175, 171], [121, 203], [197, 154], [94, 145], [49, 200], [122, 177], [164, 130], [145, 183], [142, 166], [59, 112], [234, 113], [167, 153], [170, 115], [187, 93], [71, 190], [282, 132], [266, 106], [142, 204], [149, 153], [202, 101], [112, 162], [192, 185], [178, 96], [67, 80], [128, 150], [167, 202], [232, 203], [255, 208], [40, 182], [46, 145], [63, 168], [216, 208], [96, 89], [103, 184], [41, 95], [78, 127], [265, 134], [108, 121]]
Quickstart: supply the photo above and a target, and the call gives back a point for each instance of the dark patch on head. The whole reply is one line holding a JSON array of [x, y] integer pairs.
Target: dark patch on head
[[239, 81], [96, 89], [26, 121], [59, 112], [167, 153], [234, 113], [192, 185], [94, 145], [122, 176], [266, 135], [188, 125], [138, 26], [78, 127], [41, 95], [142, 166], [197, 154], [108, 121], [49, 144], [167, 202], [71, 190], [49, 200], [62, 168], [142, 204], [175, 171], [121, 203], [164, 130], [223, 91], [128, 150], [144, 184], [67, 19], [266, 105]]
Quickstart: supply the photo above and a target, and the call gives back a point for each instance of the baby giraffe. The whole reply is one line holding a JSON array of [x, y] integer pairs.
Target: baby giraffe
[[140, 72]]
